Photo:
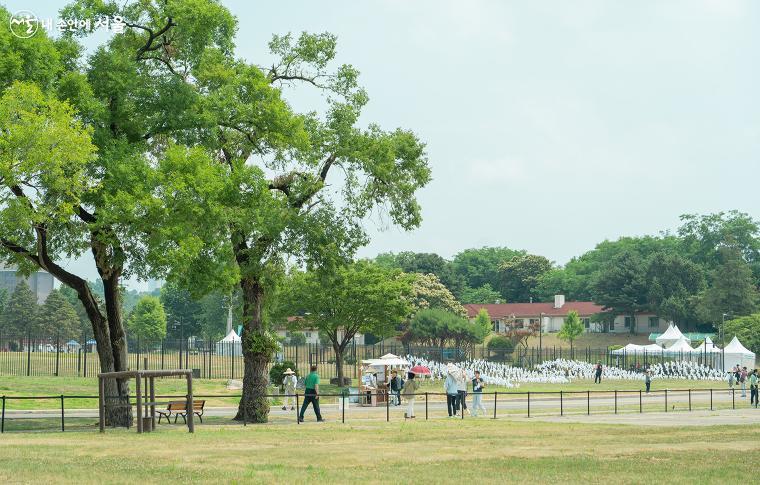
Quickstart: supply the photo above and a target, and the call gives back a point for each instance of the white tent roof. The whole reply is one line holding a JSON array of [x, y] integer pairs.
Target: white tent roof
[[671, 335], [708, 346], [736, 347], [231, 337], [652, 349], [682, 345], [387, 359], [629, 349]]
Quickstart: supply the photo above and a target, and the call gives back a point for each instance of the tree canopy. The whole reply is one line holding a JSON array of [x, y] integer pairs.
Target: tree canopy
[[148, 319], [19, 316]]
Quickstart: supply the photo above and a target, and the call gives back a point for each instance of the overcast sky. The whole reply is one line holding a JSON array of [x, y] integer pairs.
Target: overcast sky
[[550, 126]]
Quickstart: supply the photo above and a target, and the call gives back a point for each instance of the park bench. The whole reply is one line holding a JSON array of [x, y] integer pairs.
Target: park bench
[[179, 409]]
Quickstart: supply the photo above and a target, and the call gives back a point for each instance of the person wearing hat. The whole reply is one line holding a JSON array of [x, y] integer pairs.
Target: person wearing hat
[[452, 391], [289, 382]]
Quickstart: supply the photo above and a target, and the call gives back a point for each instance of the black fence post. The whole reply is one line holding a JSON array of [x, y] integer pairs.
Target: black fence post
[[666, 400], [641, 409], [57, 351], [2, 419], [561, 406], [85, 360], [528, 403], [689, 399], [343, 416], [28, 355], [63, 427], [426, 406], [711, 404], [79, 361], [298, 410], [615, 401], [495, 398], [588, 403], [387, 408]]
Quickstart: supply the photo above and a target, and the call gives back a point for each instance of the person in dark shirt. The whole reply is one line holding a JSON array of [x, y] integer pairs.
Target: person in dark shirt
[[396, 385], [477, 394], [598, 373]]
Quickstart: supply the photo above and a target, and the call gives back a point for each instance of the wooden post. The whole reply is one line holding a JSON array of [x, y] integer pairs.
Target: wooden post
[[138, 393], [190, 413], [101, 404], [153, 402]]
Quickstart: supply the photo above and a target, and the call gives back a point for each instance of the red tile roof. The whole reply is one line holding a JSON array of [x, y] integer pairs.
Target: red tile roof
[[534, 310]]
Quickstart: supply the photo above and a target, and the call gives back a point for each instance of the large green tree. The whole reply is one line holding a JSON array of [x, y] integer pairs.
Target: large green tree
[[484, 294], [148, 319], [520, 276], [674, 283], [425, 263], [58, 318], [359, 298], [19, 316], [620, 286], [747, 329], [572, 328], [479, 266], [731, 291]]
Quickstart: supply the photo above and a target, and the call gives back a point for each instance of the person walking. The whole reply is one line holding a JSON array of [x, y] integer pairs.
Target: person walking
[[396, 385], [598, 373], [410, 388], [462, 391], [743, 381], [753, 390], [289, 382], [648, 379], [477, 394], [452, 392], [731, 379], [311, 395]]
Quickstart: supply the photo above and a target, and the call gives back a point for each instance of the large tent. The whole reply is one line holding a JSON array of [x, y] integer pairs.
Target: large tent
[[708, 347], [681, 346], [670, 337], [230, 345], [736, 354], [631, 349]]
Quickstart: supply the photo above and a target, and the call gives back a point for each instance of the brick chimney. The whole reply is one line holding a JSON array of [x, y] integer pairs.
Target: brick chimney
[[559, 301]]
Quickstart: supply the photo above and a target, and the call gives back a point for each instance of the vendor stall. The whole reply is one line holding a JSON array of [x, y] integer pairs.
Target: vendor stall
[[375, 378]]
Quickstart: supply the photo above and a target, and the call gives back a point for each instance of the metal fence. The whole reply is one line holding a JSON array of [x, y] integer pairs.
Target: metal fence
[[53, 356], [429, 405]]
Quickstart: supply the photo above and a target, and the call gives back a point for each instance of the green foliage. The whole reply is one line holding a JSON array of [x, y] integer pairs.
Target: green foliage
[[3, 299], [148, 319], [57, 317], [264, 344], [747, 329], [521, 275], [673, 281], [428, 292], [732, 289], [437, 327], [572, 328], [425, 263], [484, 294], [502, 344], [20, 314], [276, 372], [481, 266], [621, 285]]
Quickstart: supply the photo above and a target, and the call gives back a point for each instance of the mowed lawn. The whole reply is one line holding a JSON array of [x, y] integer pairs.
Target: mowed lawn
[[445, 451]]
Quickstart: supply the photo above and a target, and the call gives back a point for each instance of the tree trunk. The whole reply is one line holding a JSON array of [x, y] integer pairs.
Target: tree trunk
[[119, 352], [254, 406], [339, 349]]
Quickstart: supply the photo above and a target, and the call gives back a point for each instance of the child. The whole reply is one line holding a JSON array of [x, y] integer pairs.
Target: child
[[477, 394]]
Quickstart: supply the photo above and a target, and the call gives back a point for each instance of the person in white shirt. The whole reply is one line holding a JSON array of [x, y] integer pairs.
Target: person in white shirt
[[289, 382]]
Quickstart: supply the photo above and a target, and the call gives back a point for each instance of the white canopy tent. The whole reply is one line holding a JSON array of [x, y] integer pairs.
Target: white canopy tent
[[708, 346], [681, 346], [230, 345], [652, 349], [670, 337], [736, 354], [629, 349]]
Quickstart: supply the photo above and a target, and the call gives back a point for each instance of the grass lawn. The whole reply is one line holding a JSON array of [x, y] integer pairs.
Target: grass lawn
[[443, 451]]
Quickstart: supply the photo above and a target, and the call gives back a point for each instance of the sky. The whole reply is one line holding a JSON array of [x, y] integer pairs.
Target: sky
[[550, 125]]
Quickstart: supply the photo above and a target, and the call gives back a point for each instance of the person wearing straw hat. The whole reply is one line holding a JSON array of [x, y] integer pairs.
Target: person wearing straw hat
[[289, 382], [452, 391], [410, 388]]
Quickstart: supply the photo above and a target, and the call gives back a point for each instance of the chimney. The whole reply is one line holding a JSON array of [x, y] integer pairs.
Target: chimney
[[559, 301]]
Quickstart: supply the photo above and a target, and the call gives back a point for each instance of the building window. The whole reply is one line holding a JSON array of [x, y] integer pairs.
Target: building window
[[654, 322], [495, 324], [628, 321], [307, 334], [587, 323]]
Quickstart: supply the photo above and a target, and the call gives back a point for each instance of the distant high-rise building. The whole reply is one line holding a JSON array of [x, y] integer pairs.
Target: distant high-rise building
[[154, 284], [41, 282]]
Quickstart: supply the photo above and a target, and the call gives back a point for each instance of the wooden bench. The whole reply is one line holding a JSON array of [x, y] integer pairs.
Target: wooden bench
[[179, 409]]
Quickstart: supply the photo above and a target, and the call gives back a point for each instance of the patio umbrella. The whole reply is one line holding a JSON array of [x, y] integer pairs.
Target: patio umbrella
[[420, 370]]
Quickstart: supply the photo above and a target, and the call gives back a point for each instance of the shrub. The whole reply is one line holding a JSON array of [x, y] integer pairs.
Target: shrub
[[275, 373], [501, 344]]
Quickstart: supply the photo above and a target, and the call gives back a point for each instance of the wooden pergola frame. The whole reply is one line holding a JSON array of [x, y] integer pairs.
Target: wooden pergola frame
[[146, 395]]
